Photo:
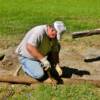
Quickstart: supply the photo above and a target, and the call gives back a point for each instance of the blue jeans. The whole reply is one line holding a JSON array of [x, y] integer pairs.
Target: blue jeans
[[32, 67]]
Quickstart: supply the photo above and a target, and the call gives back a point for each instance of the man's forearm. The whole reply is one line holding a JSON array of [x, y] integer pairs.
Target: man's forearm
[[53, 57], [34, 52]]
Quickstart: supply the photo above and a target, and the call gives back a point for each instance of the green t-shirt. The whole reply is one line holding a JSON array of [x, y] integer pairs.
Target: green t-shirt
[[47, 45]]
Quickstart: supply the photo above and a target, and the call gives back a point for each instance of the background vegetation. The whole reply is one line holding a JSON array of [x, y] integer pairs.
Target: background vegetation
[[18, 16]]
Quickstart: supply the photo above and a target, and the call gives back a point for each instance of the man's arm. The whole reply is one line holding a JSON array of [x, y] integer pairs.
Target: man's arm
[[34, 52], [54, 54], [53, 57]]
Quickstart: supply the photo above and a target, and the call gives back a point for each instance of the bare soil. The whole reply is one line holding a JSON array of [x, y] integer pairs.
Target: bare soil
[[71, 60]]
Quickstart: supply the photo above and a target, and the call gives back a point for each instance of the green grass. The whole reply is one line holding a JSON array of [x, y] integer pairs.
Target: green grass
[[83, 91], [16, 17]]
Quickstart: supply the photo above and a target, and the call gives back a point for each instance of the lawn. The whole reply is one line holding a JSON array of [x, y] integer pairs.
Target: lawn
[[17, 17], [81, 91]]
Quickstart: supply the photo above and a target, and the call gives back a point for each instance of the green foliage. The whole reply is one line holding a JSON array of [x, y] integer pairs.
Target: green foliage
[[83, 91], [16, 17]]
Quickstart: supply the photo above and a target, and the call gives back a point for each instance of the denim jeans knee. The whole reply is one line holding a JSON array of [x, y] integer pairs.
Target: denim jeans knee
[[32, 67]]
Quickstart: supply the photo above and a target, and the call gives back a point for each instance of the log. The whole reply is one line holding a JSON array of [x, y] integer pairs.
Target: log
[[2, 56], [28, 80], [85, 33], [91, 54], [17, 79]]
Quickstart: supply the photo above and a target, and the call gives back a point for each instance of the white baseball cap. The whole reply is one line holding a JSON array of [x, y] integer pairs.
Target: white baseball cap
[[60, 27]]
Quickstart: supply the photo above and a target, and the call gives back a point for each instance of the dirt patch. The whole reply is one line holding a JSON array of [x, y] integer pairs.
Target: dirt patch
[[71, 58], [10, 62]]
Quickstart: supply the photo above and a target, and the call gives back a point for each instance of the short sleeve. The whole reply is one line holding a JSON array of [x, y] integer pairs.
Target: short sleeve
[[33, 39]]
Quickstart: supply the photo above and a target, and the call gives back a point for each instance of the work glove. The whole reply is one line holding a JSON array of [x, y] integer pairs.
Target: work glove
[[46, 63], [58, 69]]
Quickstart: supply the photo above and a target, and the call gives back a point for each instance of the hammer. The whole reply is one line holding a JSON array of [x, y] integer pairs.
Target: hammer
[[49, 74]]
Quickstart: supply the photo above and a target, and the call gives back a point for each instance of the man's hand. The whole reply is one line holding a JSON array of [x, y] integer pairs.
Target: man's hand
[[46, 63], [58, 69]]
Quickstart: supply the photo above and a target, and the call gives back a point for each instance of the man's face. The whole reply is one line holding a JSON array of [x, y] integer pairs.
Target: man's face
[[52, 33]]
